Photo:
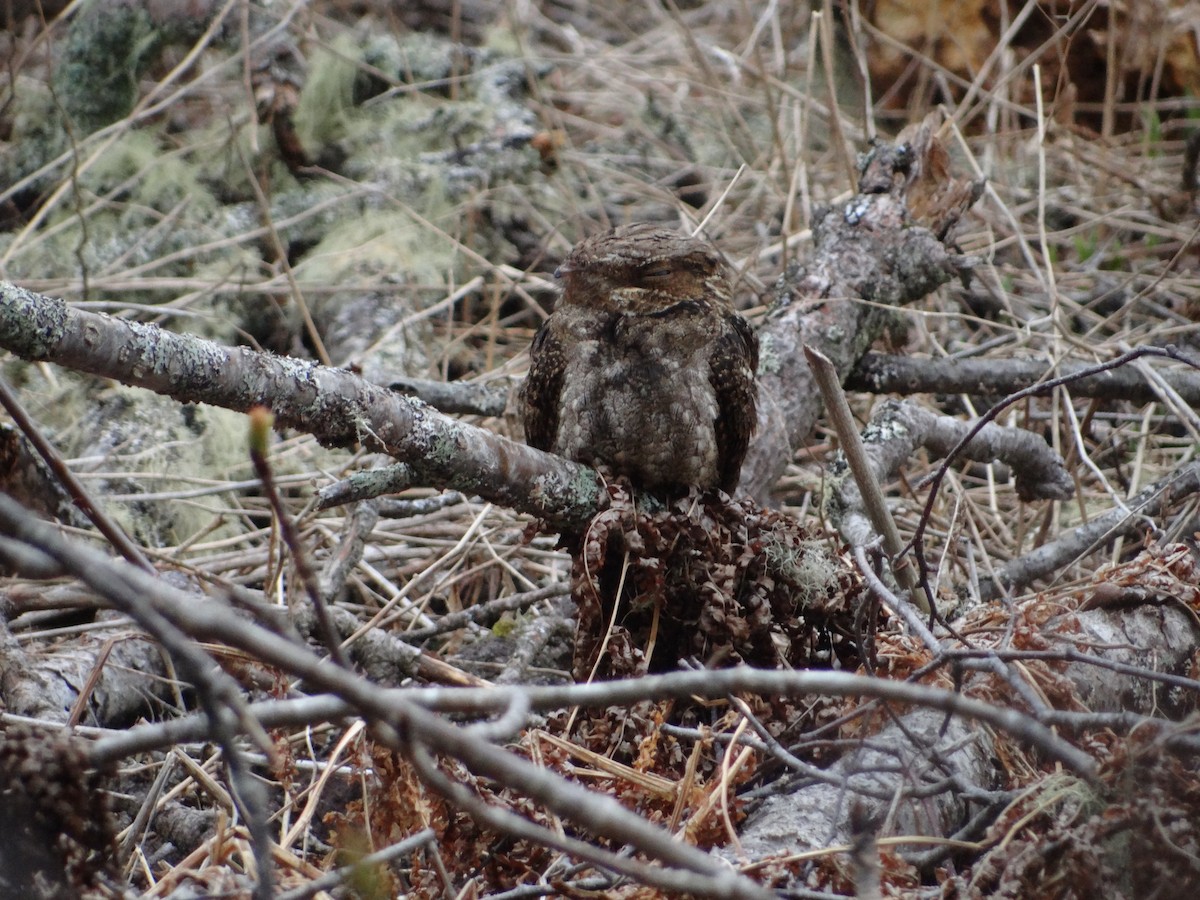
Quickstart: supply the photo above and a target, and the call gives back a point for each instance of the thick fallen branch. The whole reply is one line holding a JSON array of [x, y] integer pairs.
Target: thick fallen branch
[[335, 406], [869, 254]]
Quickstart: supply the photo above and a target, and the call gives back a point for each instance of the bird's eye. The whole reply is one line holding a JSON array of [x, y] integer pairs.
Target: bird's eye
[[660, 272]]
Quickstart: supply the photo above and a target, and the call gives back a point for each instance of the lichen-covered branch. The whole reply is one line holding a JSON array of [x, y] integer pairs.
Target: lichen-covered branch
[[885, 247], [334, 405]]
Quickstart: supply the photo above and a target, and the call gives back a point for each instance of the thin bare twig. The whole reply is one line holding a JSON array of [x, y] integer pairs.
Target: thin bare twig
[[260, 430]]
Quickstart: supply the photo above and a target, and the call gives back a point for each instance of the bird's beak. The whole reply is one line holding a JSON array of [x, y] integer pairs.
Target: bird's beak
[[564, 269]]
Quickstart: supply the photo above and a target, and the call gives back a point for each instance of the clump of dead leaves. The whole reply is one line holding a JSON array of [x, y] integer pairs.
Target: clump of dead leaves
[[711, 580], [57, 823]]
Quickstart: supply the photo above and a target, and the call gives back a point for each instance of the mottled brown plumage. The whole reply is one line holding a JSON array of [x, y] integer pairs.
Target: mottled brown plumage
[[644, 366]]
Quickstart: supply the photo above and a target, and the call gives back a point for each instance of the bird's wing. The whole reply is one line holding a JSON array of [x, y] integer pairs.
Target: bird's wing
[[542, 391], [732, 368]]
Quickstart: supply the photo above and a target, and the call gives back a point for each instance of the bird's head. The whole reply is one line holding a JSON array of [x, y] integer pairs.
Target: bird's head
[[642, 269]]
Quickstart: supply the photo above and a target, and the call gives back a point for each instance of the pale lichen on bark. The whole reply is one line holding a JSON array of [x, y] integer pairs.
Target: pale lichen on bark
[[35, 322]]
